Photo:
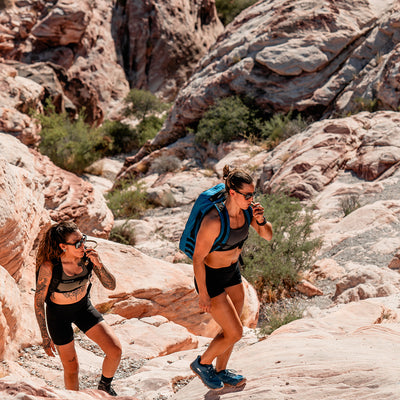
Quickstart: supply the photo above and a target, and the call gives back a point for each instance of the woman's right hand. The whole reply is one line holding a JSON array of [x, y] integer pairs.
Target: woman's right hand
[[205, 302], [49, 347]]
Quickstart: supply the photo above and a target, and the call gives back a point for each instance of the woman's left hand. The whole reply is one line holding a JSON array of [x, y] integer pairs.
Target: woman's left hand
[[258, 212], [93, 256]]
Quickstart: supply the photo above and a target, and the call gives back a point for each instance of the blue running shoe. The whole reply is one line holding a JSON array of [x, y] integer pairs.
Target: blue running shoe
[[229, 377], [206, 373]]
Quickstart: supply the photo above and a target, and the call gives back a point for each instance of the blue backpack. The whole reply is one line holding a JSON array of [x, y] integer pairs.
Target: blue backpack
[[213, 197]]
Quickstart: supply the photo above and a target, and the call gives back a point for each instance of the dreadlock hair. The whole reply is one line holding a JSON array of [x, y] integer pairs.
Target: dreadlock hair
[[49, 248], [234, 179]]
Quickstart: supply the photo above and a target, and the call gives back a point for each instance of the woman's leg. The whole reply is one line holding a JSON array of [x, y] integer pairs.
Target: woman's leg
[[104, 336], [224, 313], [69, 361], [236, 294]]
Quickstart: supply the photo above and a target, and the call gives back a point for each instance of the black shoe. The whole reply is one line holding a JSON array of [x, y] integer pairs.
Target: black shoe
[[107, 388]]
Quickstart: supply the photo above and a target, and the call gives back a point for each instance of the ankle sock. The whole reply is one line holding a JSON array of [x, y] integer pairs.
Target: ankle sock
[[106, 381]]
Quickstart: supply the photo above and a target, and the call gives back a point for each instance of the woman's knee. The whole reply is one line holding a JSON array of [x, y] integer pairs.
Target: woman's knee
[[235, 335], [71, 365], [114, 350]]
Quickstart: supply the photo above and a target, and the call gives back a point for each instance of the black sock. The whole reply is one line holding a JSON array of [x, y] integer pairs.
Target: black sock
[[106, 381]]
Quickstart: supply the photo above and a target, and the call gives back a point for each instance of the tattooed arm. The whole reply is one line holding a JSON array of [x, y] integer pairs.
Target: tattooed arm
[[42, 286], [107, 279]]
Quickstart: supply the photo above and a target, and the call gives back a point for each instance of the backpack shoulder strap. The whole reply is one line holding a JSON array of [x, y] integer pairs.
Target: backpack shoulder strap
[[225, 226], [248, 214]]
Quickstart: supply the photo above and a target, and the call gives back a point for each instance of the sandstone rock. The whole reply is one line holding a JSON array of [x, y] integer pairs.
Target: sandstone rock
[[324, 358], [325, 269], [66, 196], [148, 287], [313, 51], [65, 23], [173, 37], [22, 216], [362, 282], [308, 289], [395, 263]]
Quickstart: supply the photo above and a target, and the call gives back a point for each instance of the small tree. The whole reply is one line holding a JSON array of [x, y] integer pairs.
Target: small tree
[[141, 103], [229, 9], [227, 120], [274, 266]]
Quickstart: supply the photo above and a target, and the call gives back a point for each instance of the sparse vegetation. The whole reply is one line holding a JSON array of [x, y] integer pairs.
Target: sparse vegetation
[[278, 317], [229, 9], [365, 104], [123, 234], [71, 144], [349, 203], [273, 267], [224, 122], [141, 103], [164, 164], [232, 118], [129, 200]]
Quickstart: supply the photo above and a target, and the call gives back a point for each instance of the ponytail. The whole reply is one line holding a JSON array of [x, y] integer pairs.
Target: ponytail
[[234, 179]]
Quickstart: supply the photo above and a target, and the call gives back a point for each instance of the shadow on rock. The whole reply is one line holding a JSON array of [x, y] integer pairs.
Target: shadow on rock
[[216, 395]]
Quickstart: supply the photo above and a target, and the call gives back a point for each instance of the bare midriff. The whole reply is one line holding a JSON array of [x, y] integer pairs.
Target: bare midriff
[[70, 297], [222, 259]]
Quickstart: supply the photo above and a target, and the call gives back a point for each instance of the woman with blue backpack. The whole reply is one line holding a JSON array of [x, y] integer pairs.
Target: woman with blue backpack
[[214, 235]]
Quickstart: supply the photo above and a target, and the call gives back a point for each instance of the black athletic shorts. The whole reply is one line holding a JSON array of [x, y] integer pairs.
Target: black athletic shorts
[[217, 279], [60, 317]]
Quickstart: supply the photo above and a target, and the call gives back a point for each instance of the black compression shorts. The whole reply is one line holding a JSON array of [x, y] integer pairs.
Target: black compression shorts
[[60, 317], [217, 279]]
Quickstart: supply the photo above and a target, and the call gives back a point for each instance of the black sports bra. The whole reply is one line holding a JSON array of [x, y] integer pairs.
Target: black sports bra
[[68, 283], [236, 238]]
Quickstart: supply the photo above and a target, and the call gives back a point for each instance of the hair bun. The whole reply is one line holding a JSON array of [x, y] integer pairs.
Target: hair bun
[[226, 171]]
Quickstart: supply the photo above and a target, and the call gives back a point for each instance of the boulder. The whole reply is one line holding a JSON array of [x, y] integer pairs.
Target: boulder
[[364, 281], [148, 287]]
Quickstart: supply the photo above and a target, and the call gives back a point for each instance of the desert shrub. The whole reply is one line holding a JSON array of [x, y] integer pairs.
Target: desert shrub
[[280, 127], [232, 118], [365, 104], [129, 200], [141, 103], [350, 203], [229, 9], [227, 120], [273, 267], [124, 138], [164, 164], [148, 128], [278, 317], [71, 144], [124, 234]]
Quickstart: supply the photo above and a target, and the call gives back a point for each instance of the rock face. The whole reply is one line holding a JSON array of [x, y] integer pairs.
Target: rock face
[[160, 41], [99, 48], [349, 353], [366, 144], [319, 59], [36, 189]]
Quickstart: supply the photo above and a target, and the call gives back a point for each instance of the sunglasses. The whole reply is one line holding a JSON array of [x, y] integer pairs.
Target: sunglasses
[[247, 196], [79, 243]]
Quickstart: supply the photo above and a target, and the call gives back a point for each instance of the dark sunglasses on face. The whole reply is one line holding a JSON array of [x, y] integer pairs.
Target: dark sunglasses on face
[[247, 196], [79, 243]]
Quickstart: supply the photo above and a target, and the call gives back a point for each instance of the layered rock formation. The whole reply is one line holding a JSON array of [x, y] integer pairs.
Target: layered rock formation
[[160, 41], [320, 59]]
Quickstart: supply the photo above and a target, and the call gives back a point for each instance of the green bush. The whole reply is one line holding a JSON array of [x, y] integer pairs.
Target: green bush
[[141, 103], [231, 118], [71, 144], [229, 9], [128, 201], [273, 267], [227, 120], [349, 203], [124, 138], [148, 128], [123, 234], [280, 127]]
